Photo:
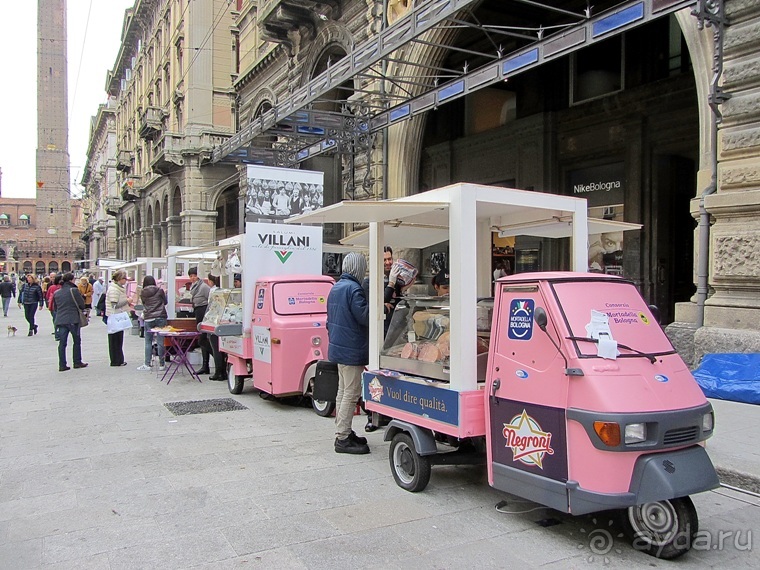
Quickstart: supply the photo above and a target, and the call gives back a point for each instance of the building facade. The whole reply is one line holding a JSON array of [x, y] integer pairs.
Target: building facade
[[100, 200], [390, 98], [171, 83]]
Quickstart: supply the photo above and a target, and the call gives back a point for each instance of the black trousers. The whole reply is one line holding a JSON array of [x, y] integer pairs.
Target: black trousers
[[203, 342], [30, 309], [220, 358], [115, 351]]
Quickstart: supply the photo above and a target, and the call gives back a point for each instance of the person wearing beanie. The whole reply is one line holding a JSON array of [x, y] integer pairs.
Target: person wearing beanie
[[348, 347]]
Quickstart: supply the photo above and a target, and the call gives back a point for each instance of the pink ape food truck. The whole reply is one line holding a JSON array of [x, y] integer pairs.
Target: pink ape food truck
[[287, 337], [563, 383], [273, 328]]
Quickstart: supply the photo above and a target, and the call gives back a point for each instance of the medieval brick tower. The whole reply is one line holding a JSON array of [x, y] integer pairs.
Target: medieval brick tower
[[53, 194]]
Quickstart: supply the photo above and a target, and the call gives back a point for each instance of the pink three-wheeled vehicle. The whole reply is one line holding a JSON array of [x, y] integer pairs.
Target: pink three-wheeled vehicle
[[563, 382], [288, 337]]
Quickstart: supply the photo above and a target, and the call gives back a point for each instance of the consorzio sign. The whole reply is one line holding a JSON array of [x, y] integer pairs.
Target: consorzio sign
[[600, 185]]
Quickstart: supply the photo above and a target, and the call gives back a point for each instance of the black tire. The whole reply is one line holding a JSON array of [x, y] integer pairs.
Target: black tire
[[411, 470], [664, 529], [323, 408], [234, 383]]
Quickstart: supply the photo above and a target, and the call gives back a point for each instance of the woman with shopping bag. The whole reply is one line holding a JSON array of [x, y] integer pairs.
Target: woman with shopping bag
[[118, 307]]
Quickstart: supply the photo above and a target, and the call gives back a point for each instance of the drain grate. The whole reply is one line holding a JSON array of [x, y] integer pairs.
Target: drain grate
[[204, 406]]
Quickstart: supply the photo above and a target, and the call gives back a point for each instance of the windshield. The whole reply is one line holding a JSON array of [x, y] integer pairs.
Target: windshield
[[630, 321], [301, 298]]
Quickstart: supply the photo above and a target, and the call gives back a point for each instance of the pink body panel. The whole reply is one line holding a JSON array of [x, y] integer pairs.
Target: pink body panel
[[471, 416], [594, 469]]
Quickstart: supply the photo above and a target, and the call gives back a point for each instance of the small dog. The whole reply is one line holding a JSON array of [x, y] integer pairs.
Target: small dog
[[12, 330]]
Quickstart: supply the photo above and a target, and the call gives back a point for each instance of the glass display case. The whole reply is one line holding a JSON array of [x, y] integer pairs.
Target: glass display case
[[224, 315], [417, 341]]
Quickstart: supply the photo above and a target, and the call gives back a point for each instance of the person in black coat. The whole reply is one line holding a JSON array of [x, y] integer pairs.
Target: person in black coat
[[31, 297], [7, 290], [69, 304]]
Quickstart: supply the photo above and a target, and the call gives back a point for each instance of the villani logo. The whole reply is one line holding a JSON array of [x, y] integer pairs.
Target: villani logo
[[283, 256]]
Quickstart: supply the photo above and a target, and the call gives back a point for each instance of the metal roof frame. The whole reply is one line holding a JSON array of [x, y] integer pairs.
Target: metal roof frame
[[303, 132]]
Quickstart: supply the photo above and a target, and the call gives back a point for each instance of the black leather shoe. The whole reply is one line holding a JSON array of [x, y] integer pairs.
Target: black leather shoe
[[81, 365], [30, 333], [370, 427], [349, 446], [357, 438], [216, 378], [203, 371], [64, 368]]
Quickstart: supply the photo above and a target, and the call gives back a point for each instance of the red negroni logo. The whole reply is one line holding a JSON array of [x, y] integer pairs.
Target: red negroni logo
[[528, 442], [375, 390]]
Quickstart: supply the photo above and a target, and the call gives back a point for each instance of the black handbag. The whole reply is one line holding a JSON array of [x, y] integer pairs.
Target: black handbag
[[84, 315], [326, 381]]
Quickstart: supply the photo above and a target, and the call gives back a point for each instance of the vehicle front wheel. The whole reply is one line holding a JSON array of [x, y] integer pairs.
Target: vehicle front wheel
[[234, 383], [410, 469], [664, 529]]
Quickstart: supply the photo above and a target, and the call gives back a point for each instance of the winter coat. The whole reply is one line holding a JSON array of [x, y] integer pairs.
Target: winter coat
[[116, 299], [199, 292], [69, 303], [32, 293], [49, 296], [7, 289], [348, 323], [154, 303], [86, 291]]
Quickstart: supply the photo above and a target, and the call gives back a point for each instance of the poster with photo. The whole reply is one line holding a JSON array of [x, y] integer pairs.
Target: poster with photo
[[605, 251], [332, 264], [277, 193]]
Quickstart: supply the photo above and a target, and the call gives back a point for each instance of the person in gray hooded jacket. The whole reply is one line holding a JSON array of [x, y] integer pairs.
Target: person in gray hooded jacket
[[348, 334]]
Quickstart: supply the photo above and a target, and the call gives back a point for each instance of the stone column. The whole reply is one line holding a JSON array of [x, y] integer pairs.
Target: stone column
[[197, 227], [164, 238], [732, 313], [157, 241], [174, 224], [149, 238]]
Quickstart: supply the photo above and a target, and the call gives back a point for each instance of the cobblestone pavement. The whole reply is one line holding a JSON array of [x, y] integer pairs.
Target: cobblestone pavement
[[95, 472]]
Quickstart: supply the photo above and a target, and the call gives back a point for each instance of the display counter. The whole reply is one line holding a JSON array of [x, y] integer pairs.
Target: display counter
[[224, 315], [418, 338]]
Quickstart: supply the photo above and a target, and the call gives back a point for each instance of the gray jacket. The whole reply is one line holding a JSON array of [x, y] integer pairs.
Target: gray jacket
[[200, 291], [68, 304]]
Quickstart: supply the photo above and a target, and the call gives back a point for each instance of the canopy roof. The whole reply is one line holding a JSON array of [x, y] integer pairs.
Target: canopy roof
[[423, 220]]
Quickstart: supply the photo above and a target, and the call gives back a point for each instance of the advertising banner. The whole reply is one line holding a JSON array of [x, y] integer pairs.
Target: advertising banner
[[277, 193], [279, 249]]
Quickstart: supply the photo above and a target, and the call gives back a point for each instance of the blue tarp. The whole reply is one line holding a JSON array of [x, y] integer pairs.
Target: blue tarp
[[730, 376]]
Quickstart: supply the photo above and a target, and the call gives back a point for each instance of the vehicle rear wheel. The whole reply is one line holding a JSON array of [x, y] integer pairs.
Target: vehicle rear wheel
[[234, 383], [664, 529], [323, 408], [410, 469]]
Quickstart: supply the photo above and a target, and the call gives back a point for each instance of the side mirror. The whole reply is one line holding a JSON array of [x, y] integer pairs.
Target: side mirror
[[541, 319], [656, 313]]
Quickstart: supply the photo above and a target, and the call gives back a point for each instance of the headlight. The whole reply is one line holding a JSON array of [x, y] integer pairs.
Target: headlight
[[635, 433], [708, 422]]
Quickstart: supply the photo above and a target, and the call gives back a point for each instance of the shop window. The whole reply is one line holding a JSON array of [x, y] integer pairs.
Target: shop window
[[597, 70], [39, 267], [53, 267], [28, 267]]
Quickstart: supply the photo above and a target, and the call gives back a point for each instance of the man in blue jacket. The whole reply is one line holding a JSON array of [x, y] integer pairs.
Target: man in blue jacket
[[348, 331]]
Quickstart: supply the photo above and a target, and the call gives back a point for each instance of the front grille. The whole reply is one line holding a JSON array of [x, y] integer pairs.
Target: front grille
[[681, 435]]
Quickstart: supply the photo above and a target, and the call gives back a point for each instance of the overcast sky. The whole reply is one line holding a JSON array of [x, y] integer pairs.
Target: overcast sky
[[92, 49]]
